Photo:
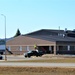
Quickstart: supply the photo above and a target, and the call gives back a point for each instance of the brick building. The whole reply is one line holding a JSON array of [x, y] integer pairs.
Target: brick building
[[49, 41]]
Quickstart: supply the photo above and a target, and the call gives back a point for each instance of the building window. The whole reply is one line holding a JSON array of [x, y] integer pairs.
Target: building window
[[59, 34], [9, 48], [27, 48], [68, 47], [20, 48]]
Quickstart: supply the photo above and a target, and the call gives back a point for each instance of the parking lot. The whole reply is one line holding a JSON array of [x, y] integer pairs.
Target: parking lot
[[19, 58]]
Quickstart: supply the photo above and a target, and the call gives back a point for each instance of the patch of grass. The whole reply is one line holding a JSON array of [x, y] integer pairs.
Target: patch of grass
[[36, 71], [66, 60]]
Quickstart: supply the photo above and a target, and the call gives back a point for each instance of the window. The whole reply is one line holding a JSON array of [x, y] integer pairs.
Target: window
[[9, 48], [68, 47], [27, 48], [20, 48]]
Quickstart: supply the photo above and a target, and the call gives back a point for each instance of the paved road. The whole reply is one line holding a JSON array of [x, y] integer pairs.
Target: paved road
[[20, 57], [14, 58], [22, 64]]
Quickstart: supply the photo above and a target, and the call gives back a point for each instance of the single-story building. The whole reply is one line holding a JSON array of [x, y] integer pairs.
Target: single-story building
[[49, 41]]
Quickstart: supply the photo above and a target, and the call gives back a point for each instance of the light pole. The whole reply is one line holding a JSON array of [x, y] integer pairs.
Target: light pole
[[5, 34]]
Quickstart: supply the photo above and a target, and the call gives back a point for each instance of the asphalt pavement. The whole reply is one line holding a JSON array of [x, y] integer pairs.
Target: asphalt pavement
[[27, 64], [32, 64]]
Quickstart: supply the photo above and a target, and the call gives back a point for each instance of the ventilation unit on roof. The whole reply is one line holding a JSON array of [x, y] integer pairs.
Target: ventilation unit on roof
[[73, 30], [65, 29]]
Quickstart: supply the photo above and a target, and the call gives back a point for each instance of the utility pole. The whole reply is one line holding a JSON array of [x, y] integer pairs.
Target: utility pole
[[5, 34]]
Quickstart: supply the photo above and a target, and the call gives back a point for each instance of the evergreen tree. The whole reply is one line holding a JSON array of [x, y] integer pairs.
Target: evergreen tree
[[17, 33]]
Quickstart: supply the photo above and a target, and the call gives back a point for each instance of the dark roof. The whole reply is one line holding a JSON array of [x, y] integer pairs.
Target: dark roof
[[54, 38], [46, 32], [50, 35]]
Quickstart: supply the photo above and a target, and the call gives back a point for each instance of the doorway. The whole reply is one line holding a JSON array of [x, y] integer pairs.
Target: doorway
[[45, 49]]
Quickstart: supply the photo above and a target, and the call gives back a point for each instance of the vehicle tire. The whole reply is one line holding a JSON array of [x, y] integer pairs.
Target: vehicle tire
[[25, 56], [36, 56]]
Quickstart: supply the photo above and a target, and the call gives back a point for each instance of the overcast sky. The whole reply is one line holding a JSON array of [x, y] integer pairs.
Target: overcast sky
[[33, 15]]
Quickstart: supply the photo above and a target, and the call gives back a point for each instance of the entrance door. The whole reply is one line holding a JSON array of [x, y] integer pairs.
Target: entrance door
[[45, 49]]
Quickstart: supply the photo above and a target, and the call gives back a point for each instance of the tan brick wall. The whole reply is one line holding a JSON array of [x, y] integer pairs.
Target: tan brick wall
[[16, 49]]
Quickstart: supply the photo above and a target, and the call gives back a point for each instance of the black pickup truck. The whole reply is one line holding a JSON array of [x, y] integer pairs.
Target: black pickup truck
[[33, 53]]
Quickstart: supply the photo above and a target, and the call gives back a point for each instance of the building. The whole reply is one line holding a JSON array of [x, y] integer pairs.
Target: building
[[49, 41]]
